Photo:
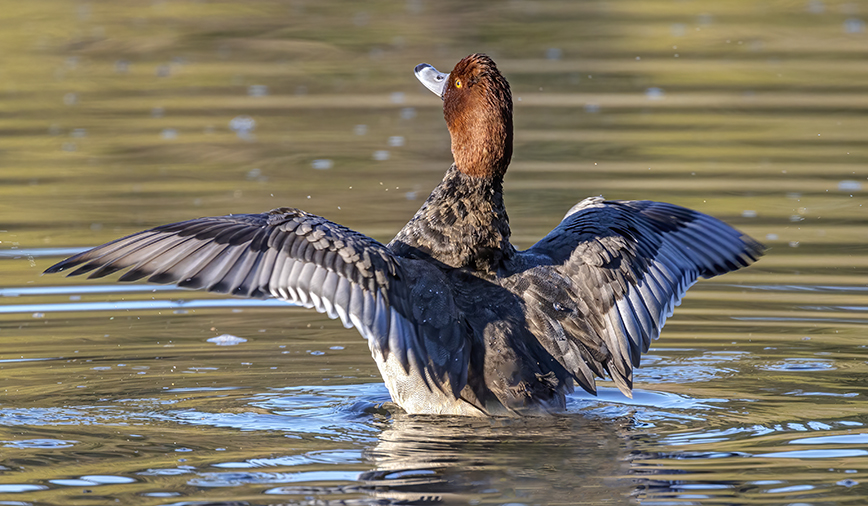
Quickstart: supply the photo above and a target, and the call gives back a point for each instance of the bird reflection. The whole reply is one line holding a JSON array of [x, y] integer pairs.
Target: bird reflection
[[450, 460]]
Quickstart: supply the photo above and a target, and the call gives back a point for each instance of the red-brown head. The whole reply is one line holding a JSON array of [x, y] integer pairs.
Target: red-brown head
[[477, 105]]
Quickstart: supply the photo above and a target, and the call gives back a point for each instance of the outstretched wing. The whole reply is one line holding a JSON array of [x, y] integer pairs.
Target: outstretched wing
[[600, 286], [299, 257]]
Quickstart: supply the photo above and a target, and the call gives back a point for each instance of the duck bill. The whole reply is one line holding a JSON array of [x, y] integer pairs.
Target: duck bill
[[432, 78]]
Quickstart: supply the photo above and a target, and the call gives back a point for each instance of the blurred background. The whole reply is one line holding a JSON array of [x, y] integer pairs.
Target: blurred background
[[128, 114], [118, 116]]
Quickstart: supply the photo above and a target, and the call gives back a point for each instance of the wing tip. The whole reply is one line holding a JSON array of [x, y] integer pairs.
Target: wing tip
[[67, 265], [56, 268], [754, 248]]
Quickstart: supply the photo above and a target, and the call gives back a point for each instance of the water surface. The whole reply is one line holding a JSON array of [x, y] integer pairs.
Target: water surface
[[120, 116]]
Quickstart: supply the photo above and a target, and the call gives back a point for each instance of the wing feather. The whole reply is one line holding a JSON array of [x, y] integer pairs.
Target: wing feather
[[627, 264], [302, 258]]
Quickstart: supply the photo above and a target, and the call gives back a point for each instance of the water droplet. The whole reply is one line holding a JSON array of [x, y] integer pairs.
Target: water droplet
[[849, 185], [854, 25], [257, 90], [654, 93], [408, 113], [227, 340], [243, 126], [322, 164]]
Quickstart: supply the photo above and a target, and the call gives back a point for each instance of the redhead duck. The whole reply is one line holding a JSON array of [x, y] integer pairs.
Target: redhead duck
[[458, 321]]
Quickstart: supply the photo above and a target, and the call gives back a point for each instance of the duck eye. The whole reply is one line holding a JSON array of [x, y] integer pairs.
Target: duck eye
[[458, 83]]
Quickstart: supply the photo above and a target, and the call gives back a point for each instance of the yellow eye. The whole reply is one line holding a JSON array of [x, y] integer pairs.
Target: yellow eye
[[458, 83]]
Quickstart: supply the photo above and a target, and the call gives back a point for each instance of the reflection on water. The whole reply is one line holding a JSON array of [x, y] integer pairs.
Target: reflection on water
[[119, 117], [339, 444]]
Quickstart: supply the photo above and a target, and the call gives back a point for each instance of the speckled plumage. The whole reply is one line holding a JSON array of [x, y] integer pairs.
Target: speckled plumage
[[462, 224], [458, 321]]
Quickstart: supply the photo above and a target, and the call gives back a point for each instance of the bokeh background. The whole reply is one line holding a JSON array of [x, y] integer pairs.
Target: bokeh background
[[117, 116]]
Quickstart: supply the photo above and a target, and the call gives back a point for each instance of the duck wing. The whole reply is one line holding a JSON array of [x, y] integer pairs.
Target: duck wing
[[302, 258], [599, 287]]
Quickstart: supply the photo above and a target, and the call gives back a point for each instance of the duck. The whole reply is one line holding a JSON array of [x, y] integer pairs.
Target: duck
[[458, 321]]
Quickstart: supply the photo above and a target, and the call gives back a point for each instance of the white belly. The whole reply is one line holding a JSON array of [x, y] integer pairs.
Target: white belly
[[409, 391]]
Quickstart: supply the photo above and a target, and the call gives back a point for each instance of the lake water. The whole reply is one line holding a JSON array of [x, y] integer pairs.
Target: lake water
[[118, 116]]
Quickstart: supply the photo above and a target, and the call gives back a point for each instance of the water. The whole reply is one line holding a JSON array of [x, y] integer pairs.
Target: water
[[117, 118]]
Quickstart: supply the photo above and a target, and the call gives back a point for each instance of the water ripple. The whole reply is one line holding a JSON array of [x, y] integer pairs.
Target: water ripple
[[799, 365], [39, 443], [234, 479], [127, 305]]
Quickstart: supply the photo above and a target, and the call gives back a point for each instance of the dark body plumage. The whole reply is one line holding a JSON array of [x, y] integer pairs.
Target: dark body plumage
[[458, 321]]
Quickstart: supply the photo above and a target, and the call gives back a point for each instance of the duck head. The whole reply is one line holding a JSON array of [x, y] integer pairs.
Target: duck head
[[477, 105]]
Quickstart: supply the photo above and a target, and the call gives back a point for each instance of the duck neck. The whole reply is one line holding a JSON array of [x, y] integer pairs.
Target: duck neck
[[482, 147], [463, 224], [481, 135]]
